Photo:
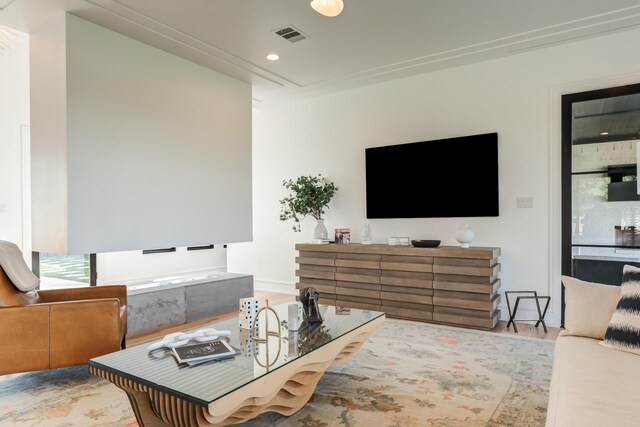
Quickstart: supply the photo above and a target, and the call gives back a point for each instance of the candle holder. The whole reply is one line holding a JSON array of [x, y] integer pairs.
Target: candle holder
[[269, 334]]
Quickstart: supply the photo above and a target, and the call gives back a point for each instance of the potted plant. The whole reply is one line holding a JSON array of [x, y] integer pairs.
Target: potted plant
[[310, 195]]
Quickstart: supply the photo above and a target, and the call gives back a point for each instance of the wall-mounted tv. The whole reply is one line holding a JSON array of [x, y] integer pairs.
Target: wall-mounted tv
[[453, 177]]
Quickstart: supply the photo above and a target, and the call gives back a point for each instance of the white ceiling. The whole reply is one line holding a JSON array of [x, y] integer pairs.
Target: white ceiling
[[371, 41]]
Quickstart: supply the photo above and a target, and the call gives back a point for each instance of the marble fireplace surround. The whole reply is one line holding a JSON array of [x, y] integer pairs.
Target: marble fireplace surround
[[171, 301]]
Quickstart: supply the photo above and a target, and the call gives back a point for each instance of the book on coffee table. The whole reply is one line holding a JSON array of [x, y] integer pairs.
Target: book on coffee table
[[203, 352]]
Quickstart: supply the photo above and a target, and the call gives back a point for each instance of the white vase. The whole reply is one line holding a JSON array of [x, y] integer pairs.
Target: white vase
[[367, 238], [465, 235], [320, 232], [293, 317]]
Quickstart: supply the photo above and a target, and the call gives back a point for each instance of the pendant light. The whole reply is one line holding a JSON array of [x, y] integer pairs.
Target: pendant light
[[328, 8]]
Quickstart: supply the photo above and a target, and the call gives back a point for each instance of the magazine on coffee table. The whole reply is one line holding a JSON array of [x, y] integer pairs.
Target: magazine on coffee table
[[203, 352]]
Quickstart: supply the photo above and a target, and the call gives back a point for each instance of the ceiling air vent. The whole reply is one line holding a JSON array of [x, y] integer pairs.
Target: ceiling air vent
[[291, 34]]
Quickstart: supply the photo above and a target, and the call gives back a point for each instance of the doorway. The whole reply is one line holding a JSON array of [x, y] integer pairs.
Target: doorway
[[600, 201]]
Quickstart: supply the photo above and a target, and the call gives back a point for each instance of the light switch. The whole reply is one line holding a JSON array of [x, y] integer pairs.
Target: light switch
[[3, 207], [524, 202]]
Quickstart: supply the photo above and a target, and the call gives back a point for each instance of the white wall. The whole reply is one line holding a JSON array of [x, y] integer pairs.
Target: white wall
[[516, 96], [156, 151], [15, 217], [48, 112], [14, 122]]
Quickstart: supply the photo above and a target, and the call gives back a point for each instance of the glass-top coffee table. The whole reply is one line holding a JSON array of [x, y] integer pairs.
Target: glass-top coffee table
[[235, 390]]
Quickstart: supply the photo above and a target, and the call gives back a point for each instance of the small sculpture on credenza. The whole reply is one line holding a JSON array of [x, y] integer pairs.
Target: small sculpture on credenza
[[310, 308]]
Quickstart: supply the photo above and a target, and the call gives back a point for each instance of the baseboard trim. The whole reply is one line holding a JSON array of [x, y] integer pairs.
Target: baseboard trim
[[287, 288]]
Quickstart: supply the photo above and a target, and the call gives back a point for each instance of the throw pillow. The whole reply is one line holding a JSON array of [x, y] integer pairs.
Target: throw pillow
[[17, 270], [588, 307], [623, 332]]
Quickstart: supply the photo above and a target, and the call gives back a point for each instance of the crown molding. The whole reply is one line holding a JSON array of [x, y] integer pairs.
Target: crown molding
[[593, 26], [530, 40]]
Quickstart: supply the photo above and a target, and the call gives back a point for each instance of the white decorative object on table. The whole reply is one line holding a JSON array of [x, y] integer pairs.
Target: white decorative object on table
[[367, 238], [293, 340], [399, 241], [320, 232], [178, 339], [247, 347], [465, 235], [248, 309], [293, 317]]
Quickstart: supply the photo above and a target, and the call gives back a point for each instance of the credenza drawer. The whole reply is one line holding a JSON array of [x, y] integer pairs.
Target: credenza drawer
[[323, 290], [316, 261], [361, 306], [406, 282], [354, 263], [463, 300], [357, 292], [330, 275], [405, 266], [396, 296], [467, 271], [467, 287]]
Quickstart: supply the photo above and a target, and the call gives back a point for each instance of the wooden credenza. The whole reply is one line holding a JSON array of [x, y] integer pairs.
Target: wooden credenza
[[443, 285]]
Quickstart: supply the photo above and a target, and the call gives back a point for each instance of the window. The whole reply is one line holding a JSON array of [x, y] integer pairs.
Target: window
[[63, 271]]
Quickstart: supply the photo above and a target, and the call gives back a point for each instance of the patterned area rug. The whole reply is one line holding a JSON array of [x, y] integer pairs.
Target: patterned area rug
[[408, 375]]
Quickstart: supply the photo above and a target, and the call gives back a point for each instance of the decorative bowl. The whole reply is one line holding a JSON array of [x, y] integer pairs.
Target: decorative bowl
[[425, 243]]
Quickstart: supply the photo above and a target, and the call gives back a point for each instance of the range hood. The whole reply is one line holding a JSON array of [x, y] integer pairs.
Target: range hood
[[619, 189]]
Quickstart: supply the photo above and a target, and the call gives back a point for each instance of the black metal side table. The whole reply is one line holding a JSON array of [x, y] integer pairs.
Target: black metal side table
[[528, 295]]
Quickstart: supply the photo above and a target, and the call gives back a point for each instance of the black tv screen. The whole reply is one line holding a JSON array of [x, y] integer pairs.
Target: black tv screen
[[453, 177]]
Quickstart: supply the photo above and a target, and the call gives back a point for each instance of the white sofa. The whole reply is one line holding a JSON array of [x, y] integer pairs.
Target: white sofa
[[592, 385]]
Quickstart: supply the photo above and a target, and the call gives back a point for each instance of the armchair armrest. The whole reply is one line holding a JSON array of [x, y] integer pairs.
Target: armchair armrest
[[85, 293], [80, 330], [55, 335], [90, 293], [24, 334]]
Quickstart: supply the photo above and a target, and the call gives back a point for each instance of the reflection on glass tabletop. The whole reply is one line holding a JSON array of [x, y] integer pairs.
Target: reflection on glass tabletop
[[205, 383]]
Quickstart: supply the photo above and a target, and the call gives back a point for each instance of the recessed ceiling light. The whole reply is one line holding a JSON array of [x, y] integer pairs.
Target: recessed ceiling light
[[604, 133], [273, 57]]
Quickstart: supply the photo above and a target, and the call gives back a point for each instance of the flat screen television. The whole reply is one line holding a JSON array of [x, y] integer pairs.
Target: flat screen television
[[444, 178]]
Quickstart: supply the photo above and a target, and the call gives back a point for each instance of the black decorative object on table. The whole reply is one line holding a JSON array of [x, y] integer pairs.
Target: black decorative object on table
[[310, 309], [425, 243], [311, 336]]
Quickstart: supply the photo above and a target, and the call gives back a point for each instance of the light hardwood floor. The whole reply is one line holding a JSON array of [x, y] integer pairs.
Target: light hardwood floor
[[524, 329]]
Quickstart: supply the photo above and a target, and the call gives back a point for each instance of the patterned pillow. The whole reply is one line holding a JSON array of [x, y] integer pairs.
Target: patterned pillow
[[623, 332]]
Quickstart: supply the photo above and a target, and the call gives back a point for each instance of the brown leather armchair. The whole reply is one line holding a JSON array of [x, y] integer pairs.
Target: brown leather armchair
[[57, 328]]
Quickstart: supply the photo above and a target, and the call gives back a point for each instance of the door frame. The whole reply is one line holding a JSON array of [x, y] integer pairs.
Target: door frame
[[566, 155]]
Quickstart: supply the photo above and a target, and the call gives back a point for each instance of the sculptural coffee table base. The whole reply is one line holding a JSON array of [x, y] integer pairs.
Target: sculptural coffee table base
[[284, 390]]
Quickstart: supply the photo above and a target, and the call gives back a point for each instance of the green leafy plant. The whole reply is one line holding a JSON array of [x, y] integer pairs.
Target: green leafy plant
[[310, 195]]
